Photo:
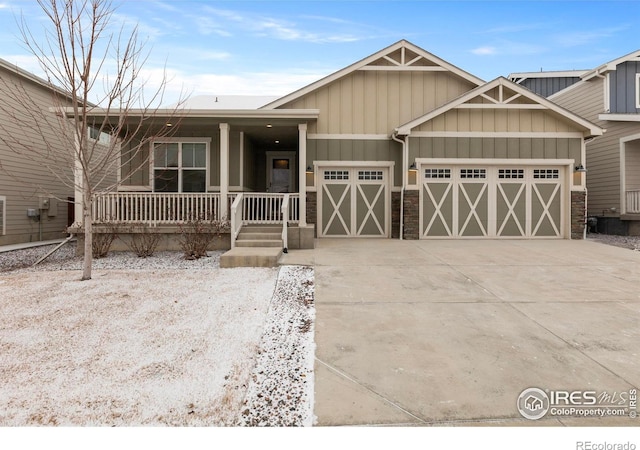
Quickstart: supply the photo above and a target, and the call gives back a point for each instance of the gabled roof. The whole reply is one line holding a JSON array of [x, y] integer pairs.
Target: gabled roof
[[33, 78], [403, 55], [611, 65], [509, 95]]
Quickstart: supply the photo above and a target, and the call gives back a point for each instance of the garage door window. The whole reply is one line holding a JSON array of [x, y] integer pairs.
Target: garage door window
[[510, 174], [370, 175], [473, 173], [437, 173], [336, 174], [546, 174]]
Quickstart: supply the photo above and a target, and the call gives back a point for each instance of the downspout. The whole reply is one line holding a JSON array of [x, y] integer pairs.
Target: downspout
[[405, 158]]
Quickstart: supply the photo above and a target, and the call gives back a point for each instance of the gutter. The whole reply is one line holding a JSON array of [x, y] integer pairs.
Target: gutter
[[405, 158]]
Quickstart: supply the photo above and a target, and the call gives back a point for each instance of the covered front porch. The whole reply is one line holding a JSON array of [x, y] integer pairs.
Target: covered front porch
[[630, 175], [244, 167]]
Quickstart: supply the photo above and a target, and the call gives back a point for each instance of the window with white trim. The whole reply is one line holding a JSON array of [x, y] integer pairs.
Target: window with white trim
[[336, 174], [3, 214], [370, 175], [437, 173], [101, 136], [180, 167], [473, 173], [638, 90], [546, 173], [510, 173]]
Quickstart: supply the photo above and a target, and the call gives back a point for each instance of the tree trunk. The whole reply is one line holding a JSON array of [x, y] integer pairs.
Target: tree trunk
[[88, 234]]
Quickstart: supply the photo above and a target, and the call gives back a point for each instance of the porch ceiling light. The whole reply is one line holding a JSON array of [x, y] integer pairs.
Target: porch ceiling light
[[580, 169], [168, 124], [269, 125], [277, 142]]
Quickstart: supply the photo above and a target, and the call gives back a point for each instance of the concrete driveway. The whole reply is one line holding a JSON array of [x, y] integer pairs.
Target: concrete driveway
[[452, 332]]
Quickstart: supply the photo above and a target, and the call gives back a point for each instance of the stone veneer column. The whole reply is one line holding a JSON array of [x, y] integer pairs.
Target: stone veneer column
[[411, 214], [578, 214], [312, 210]]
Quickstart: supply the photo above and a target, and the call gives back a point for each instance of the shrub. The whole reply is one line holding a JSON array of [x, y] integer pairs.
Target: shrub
[[144, 244], [196, 235], [101, 243]]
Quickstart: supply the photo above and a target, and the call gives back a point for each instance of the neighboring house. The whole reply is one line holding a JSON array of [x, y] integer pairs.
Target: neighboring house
[[33, 201], [398, 144], [609, 96]]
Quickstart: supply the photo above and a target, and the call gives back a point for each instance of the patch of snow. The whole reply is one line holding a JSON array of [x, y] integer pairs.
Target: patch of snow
[[173, 342]]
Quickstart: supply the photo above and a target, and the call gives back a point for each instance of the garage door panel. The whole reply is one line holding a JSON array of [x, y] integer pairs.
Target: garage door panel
[[473, 209], [336, 205], [511, 209], [546, 209], [437, 207], [370, 209]]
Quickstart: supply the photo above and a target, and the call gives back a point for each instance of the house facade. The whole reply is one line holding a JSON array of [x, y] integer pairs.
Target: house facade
[[400, 144], [35, 202], [608, 96]]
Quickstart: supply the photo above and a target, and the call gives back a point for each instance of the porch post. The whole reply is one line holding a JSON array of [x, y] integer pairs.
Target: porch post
[[224, 169], [302, 172]]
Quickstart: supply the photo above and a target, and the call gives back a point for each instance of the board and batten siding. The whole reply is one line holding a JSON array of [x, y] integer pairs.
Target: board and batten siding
[[499, 148], [22, 179], [497, 120], [623, 84], [357, 150], [376, 102], [548, 86]]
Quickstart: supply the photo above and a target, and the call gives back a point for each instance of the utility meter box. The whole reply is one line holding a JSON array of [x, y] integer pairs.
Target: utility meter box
[[32, 212], [43, 202]]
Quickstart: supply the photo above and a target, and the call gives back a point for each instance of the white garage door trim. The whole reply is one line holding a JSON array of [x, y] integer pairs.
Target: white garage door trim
[[354, 198], [469, 198]]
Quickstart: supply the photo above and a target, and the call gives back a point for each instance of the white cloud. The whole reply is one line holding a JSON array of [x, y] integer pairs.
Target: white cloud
[[484, 51], [577, 38]]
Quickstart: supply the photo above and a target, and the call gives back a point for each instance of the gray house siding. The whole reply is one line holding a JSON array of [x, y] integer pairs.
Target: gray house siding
[[548, 86], [623, 85]]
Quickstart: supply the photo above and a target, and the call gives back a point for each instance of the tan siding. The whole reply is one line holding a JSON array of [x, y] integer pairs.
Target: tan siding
[[23, 179], [632, 165], [375, 102]]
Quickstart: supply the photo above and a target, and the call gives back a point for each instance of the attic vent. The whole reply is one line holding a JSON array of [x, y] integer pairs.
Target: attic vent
[[3, 215]]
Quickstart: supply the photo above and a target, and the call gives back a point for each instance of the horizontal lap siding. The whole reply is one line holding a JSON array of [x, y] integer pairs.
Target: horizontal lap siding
[[22, 178], [357, 150], [603, 153]]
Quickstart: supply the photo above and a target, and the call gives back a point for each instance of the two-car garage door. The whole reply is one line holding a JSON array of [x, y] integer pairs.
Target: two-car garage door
[[492, 201]]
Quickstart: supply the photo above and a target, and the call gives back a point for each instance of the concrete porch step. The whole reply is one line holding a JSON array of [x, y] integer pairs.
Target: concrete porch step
[[262, 228], [251, 257], [252, 235], [259, 243]]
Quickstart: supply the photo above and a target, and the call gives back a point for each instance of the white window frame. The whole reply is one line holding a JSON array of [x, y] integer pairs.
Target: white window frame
[[3, 225], [638, 90], [103, 139], [179, 141]]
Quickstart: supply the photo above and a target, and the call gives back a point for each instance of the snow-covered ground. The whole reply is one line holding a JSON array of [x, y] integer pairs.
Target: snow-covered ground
[[155, 341]]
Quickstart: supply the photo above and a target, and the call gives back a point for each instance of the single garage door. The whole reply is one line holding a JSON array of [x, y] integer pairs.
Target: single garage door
[[354, 202], [494, 202]]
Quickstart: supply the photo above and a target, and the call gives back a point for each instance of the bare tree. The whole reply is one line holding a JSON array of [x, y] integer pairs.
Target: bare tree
[[99, 92]]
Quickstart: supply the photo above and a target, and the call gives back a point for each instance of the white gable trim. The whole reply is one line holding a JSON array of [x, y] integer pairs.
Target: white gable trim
[[611, 65], [370, 59], [591, 128]]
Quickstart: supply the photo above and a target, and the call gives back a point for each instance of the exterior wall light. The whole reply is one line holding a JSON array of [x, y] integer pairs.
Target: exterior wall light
[[580, 169]]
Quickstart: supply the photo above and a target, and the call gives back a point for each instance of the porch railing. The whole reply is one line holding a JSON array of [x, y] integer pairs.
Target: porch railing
[[158, 208], [633, 201], [154, 208]]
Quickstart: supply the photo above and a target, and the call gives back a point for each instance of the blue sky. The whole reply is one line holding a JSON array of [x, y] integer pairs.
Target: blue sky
[[275, 47]]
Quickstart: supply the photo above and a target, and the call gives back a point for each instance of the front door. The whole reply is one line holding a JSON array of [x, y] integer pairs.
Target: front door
[[281, 172]]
